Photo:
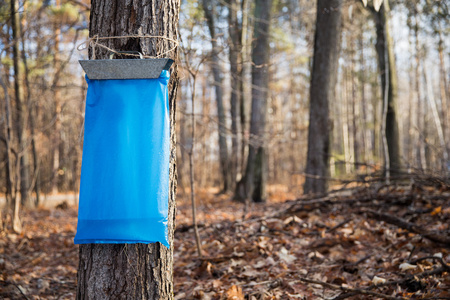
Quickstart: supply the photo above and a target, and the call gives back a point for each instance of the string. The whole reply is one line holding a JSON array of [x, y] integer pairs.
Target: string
[[94, 42]]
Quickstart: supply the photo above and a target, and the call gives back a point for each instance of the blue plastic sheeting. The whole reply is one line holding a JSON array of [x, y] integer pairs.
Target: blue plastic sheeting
[[124, 187]]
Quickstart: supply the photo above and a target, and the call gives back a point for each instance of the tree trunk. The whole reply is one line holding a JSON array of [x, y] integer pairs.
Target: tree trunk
[[134, 271], [57, 102], [385, 50], [444, 94], [420, 109], [253, 184], [244, 87], [36, 175], [210, 13], [235, 33], [21, 109], [323, 81], [20, 119], [11, 191]]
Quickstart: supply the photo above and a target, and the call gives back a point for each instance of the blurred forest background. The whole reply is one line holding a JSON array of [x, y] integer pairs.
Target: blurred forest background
[[252, 108]]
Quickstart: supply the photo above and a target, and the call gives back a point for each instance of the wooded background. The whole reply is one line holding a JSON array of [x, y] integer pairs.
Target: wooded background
[[249, 68]]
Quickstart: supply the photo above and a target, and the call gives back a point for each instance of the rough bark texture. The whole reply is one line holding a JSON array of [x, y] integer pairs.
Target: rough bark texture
[[323, 81], [209, 10], [385, 45], [134, 271], [253, 184]]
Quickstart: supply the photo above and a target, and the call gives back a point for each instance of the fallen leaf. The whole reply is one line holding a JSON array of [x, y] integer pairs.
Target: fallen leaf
[[285, 256], [436, 211], [234, 293], [407, 266], [378, 280]]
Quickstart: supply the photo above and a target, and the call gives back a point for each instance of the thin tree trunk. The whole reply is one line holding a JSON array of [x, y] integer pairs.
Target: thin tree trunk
[[246, 36], [209, 10], [437, 121], [322, 90], [444, 93], [21, 109], [36, 176], [386, 64], [355, 110], [365, 134], [235, 34], [11, 194], [253, 184], [420, 102], [134, 271], [191, 168], [57, 102], [20, 169]]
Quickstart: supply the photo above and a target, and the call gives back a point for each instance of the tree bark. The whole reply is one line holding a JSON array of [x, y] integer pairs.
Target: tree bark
[[235, 34], [57, 102], [385, 45], [134, 271], [36, 182], [253, 184], [323, 81], [21, 108], [209, 9]]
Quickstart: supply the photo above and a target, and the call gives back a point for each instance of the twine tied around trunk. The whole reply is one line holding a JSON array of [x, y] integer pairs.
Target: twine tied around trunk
[[93, 42]]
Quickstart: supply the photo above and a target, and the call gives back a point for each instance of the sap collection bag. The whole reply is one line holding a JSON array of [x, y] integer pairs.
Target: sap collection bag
[[124, 185]]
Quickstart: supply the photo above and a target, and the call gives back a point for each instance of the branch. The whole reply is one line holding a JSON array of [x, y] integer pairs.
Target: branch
[[411, 227], [347, 290], [12, 283]]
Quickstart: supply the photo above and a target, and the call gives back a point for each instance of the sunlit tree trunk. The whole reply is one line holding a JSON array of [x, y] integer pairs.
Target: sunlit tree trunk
[[244, 87], [134, 271], [57, 105], [235, 33], [323, 81]]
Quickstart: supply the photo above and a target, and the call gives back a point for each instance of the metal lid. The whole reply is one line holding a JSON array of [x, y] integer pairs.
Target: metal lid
[[125, 68]]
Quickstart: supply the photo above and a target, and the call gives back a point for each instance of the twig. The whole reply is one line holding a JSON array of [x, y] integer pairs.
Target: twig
[[12, 283], [338, 225], [441, 261], [349, 290]]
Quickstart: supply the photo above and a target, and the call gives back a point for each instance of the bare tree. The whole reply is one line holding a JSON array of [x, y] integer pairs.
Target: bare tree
[[21, 116], [253, 183], [209, 8], [388, 73], [323, 81]]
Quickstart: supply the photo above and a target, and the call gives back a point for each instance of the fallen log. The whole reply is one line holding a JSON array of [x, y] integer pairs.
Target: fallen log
[[411, 227]]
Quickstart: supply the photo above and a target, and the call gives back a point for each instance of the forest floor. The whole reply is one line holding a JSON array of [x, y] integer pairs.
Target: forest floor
[[367, 242]]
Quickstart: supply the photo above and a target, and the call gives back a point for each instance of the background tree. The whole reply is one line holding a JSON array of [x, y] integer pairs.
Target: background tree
[[209, 8], [253, 184], [388, 73], [138, 271], [323, 81]]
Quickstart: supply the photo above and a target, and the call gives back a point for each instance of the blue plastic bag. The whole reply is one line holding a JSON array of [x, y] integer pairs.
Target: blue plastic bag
[[124, 186]]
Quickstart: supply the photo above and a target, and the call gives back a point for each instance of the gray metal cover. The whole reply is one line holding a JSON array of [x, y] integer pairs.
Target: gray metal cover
[[125, 68]]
